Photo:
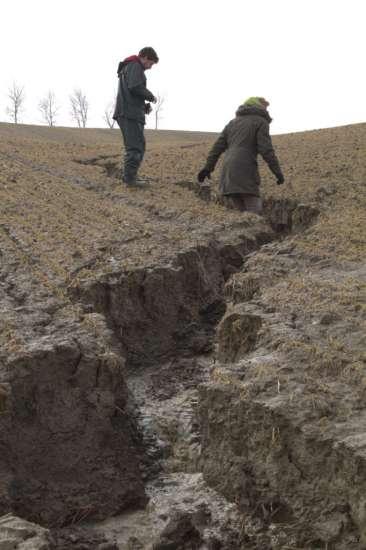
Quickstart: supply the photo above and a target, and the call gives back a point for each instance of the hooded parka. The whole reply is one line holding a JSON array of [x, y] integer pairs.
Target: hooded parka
[[246, 136], [132, 91]]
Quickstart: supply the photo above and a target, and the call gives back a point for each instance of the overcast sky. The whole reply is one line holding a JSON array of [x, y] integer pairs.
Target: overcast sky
[[307, 57]]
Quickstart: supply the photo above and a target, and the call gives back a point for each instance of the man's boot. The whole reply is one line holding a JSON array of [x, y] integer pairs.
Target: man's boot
[[137, 182]]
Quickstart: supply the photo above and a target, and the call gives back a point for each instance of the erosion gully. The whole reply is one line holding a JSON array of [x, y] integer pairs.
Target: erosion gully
[[163, 321], [168, 336]]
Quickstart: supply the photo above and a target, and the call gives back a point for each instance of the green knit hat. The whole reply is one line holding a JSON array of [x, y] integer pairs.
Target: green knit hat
[[256, 102]]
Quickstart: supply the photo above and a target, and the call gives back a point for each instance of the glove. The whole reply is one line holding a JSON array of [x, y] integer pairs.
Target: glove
[[203, 174], [148, 108], [280, 180]]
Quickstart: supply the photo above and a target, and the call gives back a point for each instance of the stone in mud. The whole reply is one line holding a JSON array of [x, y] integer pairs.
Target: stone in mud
[[134, 543], [78, 538], [19, 534], [237, 334], [179, 534]]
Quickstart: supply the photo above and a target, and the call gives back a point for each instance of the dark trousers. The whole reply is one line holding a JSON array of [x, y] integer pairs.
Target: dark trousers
[[244, 202], [134, 141]]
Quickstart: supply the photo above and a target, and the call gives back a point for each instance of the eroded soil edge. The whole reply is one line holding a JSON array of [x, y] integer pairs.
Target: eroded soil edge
[[71, 446]]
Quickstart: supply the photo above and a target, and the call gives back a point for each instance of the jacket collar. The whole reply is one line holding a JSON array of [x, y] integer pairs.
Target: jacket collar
[[130, 59], [252, 110]]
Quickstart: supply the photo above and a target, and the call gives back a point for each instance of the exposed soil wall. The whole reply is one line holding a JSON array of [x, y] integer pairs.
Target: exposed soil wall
[[172, 309], [294, 476], [282, 427], [67, 439]]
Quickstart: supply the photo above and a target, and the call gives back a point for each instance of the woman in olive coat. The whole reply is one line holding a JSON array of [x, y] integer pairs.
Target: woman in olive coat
[[243, 138]]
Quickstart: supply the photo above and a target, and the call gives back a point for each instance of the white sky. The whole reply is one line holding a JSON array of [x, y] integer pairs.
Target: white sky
[[307, 57]]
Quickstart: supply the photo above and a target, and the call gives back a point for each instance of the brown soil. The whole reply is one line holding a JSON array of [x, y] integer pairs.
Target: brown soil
[[95, 276]]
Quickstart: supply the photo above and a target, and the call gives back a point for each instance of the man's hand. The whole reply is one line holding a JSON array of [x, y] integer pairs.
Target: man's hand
[[203, 174], [280, 180], [148, 108], [154, 100]]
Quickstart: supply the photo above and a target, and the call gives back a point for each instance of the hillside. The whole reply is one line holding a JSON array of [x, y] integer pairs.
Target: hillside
[[158, 347]]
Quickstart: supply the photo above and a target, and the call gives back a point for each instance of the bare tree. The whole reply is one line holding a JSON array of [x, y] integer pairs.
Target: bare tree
[[108, 115], [49, 108], [79, 108], [158, 108], [17, 97]]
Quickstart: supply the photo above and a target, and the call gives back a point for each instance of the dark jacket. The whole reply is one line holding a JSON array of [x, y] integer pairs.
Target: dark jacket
[[243, 138], [132, 91]]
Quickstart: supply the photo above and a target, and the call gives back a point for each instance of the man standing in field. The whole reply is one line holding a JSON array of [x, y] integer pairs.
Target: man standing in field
[[131, 106], [243, 138]]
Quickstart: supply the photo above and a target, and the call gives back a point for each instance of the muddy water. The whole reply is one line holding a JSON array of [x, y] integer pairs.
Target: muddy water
[[175, 486]]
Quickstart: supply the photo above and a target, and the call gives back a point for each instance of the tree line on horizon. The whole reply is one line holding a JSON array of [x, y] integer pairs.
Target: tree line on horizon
[[79, 107]]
